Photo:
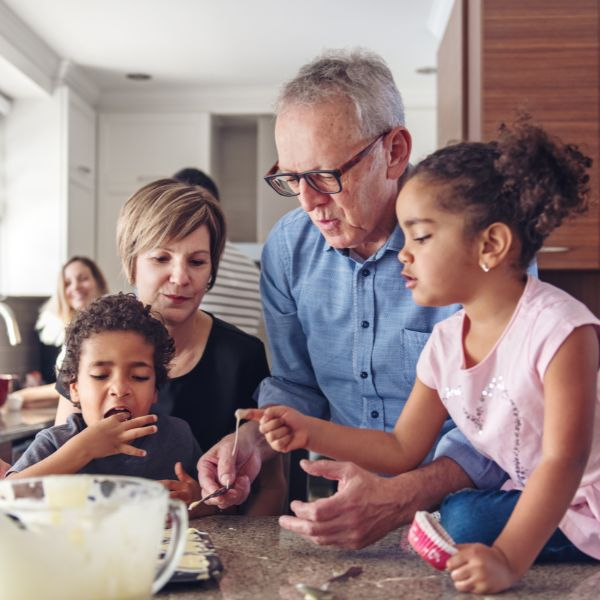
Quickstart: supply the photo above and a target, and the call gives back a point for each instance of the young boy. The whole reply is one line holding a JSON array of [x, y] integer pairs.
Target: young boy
[[117, 354]]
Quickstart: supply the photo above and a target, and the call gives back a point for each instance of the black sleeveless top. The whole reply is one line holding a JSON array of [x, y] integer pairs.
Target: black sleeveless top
[[223, 380]]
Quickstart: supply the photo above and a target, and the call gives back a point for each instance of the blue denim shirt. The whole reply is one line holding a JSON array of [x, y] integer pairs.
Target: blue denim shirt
[[345, 335]]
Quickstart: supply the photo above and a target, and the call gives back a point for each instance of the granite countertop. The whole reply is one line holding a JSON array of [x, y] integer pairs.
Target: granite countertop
[[262, 560]]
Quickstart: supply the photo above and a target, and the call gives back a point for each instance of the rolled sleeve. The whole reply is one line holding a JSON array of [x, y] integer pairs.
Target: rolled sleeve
[[484, 472]]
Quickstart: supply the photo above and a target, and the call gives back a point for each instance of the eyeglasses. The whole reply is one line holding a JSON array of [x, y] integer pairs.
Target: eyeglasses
[[325, 181]]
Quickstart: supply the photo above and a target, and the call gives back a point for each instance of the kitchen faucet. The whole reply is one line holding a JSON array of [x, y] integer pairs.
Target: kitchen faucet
[[12, 328]]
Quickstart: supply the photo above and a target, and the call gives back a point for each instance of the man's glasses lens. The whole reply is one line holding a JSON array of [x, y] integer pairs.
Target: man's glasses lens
[[289, 185]]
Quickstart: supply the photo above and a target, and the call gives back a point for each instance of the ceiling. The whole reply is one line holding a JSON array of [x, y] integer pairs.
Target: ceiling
[[221, 43]]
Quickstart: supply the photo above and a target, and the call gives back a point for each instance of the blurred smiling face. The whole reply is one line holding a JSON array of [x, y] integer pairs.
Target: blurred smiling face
[[80, 286], [115, 375]]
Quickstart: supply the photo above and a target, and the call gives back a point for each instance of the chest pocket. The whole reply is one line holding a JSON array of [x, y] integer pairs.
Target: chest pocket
[[412, 345]]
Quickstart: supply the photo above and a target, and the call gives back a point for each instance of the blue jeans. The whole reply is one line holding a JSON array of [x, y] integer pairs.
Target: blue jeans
[[480, 515]]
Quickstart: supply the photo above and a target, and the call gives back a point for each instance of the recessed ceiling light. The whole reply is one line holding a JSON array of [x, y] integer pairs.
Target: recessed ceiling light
[[426, 70], [138, 76]]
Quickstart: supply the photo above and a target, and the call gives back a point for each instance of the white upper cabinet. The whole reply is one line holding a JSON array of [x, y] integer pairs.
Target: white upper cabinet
[[135, 149], [50, 203]]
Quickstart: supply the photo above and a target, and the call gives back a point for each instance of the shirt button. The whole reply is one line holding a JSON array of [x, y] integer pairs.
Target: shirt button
[[364, 374], [374, 414], [366, 272], [364, 324]]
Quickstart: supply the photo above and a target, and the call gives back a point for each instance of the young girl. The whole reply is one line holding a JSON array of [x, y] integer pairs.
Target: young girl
[[516, 369], [117, 354]]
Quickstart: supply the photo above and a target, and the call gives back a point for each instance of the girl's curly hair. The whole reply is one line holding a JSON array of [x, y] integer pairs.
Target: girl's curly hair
[[117, 312], [526, 179]]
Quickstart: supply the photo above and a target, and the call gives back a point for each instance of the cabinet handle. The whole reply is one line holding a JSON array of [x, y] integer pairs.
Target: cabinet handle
[[84, 170], [554, 249]]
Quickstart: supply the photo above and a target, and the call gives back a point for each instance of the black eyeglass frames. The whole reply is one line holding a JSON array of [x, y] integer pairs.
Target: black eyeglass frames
[[325, 181]]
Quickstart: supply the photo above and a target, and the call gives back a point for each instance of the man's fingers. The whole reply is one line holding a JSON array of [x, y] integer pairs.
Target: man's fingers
[[322, 510], [330, 469]]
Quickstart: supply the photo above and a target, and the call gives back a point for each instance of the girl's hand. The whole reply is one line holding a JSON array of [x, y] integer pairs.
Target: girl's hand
[[284, 428], [114, 435], [480, 569], [184, 487]]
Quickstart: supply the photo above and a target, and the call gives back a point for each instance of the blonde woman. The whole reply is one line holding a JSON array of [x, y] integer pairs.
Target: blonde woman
[[170, 237], [80, 281]]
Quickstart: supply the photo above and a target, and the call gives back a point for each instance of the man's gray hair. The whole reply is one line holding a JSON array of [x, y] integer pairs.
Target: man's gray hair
[[359, 75]]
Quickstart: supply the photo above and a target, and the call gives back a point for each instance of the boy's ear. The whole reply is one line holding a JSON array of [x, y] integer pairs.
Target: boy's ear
[[496, 242], [74, 392]]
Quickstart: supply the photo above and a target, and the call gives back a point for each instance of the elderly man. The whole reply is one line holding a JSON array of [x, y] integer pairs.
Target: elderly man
[[344, 332]]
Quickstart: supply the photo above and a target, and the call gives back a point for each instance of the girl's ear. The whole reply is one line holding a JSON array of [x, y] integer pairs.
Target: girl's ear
[[496, 243], [400, 144]]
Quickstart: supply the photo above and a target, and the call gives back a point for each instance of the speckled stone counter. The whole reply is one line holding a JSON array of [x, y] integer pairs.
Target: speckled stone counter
[[262, 560]]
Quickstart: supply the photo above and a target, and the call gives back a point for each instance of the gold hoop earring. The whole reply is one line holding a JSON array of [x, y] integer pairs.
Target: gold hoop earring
[[484, 267]]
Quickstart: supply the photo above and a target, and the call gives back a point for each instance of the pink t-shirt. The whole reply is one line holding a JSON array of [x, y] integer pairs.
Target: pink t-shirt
[[499, 403]]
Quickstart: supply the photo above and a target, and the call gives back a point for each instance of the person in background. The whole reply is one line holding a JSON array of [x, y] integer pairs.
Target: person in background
[[343, 330], [235, 295], [80, 281], [116, 355], [170, 237], [517, 368]]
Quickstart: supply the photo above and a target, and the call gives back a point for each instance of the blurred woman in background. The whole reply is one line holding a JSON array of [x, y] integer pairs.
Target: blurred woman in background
[[79, 282]]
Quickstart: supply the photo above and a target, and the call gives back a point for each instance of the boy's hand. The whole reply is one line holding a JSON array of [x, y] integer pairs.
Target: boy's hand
[[480, 569], [114, 435], [184, 487], [284, 428]]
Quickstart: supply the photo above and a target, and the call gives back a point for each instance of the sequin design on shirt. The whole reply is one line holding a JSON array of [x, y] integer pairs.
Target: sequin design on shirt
[[496, 389]]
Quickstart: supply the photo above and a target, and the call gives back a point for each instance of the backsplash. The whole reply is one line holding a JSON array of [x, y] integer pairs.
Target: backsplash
[[24, 357]]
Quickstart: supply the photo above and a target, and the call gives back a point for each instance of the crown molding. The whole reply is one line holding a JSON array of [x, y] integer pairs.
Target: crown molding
[[75, 78], [218, 100], [27, 52]]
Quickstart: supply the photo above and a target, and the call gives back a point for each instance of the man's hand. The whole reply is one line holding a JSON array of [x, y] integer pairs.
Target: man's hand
[[364, 509], [480, 569], [284, 428], [367, 507], [218, 467], [184, 487], [114, 435]]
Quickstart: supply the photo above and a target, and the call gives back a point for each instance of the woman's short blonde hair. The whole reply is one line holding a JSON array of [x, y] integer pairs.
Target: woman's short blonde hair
[[163, 211]]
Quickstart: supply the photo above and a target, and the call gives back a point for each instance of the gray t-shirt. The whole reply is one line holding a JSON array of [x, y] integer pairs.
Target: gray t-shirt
[[173, 442]]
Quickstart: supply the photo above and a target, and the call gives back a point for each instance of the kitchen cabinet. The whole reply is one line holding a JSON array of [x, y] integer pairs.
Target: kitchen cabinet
[[81, 186], [135, 149], [50, 203], [539, 56]]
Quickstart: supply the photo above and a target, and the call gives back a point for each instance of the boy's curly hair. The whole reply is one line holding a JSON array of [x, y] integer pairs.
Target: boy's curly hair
[[117, 312]]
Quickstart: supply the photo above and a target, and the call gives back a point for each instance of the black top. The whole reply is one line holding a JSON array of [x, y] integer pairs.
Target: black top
[[223, 380]]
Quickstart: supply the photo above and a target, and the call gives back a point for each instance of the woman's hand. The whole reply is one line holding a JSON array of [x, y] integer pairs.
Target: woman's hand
[[4, 468], [114, 435], [480, 569], [284, 428], [184, 487]]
